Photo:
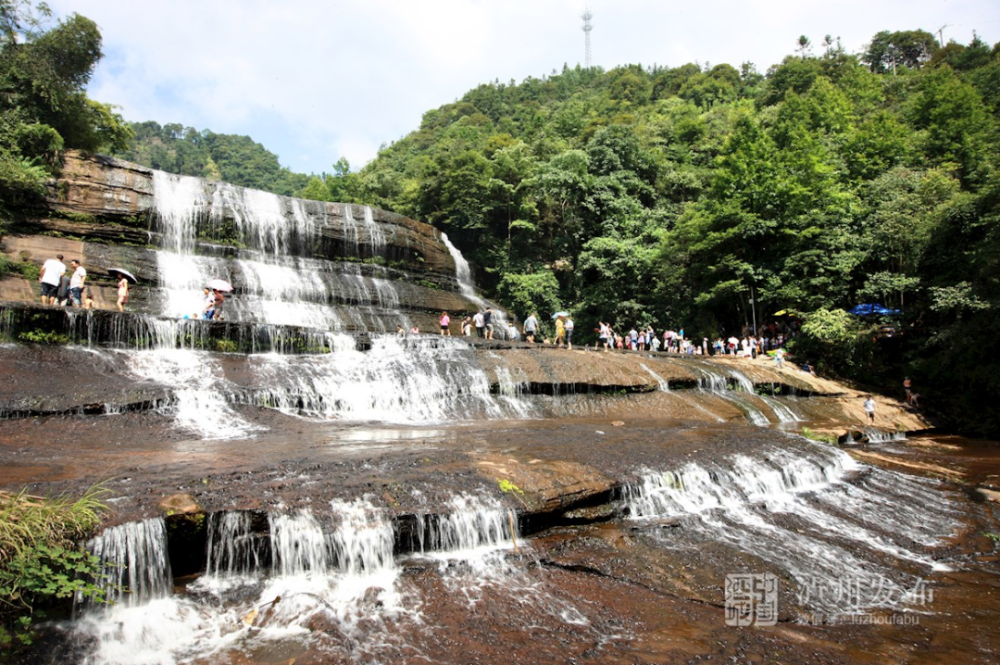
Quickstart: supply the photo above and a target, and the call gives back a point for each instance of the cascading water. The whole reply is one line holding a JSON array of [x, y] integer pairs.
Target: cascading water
[[463, 275], [336, 570], [798, 512], [716, 379], [278, 282], [234, 549], [399, 379], [660, 381], [136, 565], [471, 525], [878, 436]]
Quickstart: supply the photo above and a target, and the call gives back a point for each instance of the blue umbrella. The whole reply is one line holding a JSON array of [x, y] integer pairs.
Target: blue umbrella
[[870, 309], [558, 314]]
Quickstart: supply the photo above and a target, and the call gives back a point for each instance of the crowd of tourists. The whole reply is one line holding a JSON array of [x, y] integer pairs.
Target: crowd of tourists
[[486, 324], [766, 341]]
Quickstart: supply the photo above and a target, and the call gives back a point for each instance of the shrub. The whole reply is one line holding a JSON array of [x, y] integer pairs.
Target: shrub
[[42, 564]]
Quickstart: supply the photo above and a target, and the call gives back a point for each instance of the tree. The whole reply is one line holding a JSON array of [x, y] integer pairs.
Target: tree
[[953, 119], [889, 50], [43, 106]]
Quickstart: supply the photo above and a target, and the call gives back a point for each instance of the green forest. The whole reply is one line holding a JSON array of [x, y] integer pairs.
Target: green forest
[[697, 197], [706, 198]]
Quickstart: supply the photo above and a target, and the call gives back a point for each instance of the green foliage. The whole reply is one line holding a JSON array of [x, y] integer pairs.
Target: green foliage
[[828, 439], [43, 106], [837, 343], [41, 564], [891, 50], [43, 337], [235, 159], [529, 292], [507, 487]]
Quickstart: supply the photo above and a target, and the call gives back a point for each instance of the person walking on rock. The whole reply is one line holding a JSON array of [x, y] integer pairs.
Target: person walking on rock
[[76, 283], [49, 276], [445, 323], [122, 293], [870, 409], [530, 327], [569, 325], [488, 322]]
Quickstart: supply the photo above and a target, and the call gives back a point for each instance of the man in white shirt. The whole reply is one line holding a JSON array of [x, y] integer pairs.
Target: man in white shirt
[[49, 276], [870, 409], [480, 323], [76, 282]]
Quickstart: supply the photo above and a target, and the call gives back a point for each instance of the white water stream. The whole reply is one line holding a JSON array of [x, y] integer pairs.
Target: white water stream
[[716, 378], [343, 575], [798, 516]]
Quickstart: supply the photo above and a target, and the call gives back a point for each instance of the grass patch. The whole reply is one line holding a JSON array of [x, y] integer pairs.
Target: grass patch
[[828, 439], [43, 337], [43, 564]]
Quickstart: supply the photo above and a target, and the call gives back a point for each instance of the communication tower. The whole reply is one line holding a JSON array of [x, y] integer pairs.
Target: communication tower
[[587, 27]]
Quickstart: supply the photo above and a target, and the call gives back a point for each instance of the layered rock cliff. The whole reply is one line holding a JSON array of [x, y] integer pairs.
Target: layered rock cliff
[[367, 269]]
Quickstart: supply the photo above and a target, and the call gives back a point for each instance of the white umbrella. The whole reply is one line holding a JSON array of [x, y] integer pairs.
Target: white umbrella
[[124, 273], [219, 285]]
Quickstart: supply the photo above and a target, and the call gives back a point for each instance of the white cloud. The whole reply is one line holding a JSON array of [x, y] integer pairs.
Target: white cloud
[[317, 80]]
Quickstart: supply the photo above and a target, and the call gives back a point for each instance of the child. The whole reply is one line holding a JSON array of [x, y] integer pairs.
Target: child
[[122, 294]]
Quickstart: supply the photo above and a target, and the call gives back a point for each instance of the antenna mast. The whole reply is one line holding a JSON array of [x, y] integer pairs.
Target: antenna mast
[[587, 27], [940, 34]]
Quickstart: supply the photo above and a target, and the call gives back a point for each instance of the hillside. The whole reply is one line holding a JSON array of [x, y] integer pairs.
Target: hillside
[[227, 157], [713, 198]]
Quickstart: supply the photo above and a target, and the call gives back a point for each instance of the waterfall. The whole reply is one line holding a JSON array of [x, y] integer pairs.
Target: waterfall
[[784, 412], [715, 379], [298, 544], [399, 379], [199, 391], [463, 275], [878, 436], [472, 523], [363, 542], [660, 381], [136, 566], [796, 510], [342, 575], [179, 201], [376, 237], [277, 280], [233, 546], [507, 386]]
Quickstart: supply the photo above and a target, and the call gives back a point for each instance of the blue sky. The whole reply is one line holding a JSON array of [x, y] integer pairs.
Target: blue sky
[[316, 80]]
